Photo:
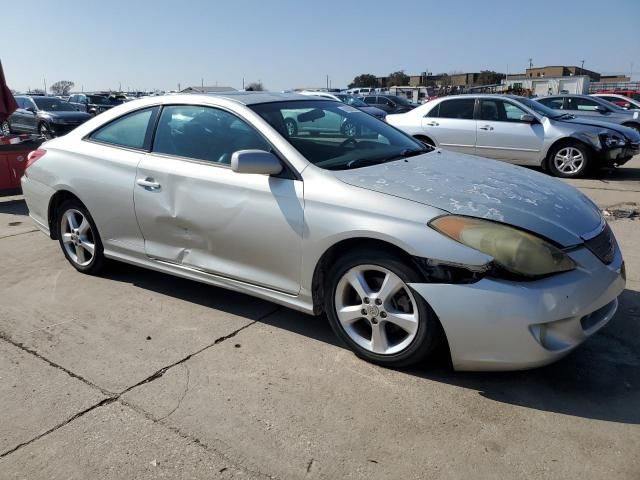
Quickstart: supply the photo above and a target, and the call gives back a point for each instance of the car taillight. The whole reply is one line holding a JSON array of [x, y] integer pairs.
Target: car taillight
[[34, 156]]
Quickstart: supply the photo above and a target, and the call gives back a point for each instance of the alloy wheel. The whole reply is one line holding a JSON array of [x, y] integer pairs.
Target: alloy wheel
[[350, 129], [45, 132], [77, 237], [569, 160], [5, 129], [376, 309]]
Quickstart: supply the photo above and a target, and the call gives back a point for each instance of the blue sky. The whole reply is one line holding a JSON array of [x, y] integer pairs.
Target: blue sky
[[144, 44]]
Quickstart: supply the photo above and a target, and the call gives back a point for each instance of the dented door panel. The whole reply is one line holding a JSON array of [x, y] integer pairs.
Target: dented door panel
[[242, 226]]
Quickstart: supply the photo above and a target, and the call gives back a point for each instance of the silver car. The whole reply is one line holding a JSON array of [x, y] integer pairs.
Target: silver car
[[519, 130], [402, 246], [593, 108]]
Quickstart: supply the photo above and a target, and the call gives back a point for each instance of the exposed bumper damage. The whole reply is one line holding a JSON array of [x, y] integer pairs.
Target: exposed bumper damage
[[497, 324]]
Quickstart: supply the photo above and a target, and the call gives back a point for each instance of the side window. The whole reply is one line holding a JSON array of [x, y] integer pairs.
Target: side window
[[132, 130], [461, 108], [370, 100], [434, 112], [583, 104], [512, 113], [555, 103], [204, 133], [20, 102], [28, 103]]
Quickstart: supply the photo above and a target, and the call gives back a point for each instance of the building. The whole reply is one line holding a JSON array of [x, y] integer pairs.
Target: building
[[543, 86], [561, 71], [204, 89], [614, 78]]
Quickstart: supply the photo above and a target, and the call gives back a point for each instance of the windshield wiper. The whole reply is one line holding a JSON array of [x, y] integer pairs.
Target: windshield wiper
[[361, 162], [566, 115]]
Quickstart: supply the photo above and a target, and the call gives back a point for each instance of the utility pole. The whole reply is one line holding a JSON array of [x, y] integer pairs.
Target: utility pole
[[202, 82], [179, 87], [242, 83], [327, 82], [44, 80], [582, 67], [531, 63]]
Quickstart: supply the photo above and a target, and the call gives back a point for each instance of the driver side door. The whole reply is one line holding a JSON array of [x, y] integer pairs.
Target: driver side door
[[195, 212]]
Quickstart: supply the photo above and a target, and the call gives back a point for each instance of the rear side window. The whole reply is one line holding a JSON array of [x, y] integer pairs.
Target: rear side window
[[132, 130], [434, 112], [370, 100], [461, 108]]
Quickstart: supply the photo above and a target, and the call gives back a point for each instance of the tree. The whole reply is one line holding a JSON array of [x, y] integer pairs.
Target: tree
[[255, 87], [397, 79], [37, 91], [489, 77], [63, 87], [364, 80]]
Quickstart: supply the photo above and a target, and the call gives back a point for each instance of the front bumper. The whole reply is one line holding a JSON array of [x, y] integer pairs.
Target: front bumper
[[619, 156], [504, 325]]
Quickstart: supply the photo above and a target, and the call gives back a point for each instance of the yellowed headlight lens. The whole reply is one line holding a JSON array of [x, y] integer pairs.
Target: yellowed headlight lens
[[513, 249]]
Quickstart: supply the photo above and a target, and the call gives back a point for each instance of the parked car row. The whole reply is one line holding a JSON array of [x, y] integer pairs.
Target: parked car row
[[524, 131]]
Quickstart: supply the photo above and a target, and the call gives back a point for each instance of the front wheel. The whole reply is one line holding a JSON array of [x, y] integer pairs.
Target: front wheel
[[292, 127], [79, 238], [570, 160], [371, 307]]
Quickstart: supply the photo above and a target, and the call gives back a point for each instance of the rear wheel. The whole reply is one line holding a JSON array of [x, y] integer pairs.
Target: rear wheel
[[45, 131], [5, 128], [373, 310], [79, 238], [569, 160]]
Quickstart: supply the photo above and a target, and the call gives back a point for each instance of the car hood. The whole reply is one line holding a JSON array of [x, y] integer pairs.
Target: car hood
[[376, 112], [68, 115], [478, 187], [597, 123]]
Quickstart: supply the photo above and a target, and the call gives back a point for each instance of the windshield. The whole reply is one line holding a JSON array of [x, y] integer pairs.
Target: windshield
[[335, 136], [49, 104], [351, 100], [538, 107]]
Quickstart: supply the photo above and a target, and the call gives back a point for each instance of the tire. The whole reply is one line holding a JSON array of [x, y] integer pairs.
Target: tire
[[45, 131], [393, 346], [350, 129], [292, 127], [569, 160], [5, 128], [77, 232]]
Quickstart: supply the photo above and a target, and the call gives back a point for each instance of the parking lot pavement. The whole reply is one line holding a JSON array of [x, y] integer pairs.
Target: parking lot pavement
[[137, 375]]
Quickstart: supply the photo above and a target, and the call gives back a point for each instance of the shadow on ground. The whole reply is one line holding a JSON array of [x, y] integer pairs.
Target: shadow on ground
[[600, 380], [14, 207]]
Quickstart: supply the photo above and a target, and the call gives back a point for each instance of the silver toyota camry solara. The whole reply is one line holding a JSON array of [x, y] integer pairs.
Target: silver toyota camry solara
[[402, 245]]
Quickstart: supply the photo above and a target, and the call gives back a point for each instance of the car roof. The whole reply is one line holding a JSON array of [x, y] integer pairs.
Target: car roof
[[253, 98]]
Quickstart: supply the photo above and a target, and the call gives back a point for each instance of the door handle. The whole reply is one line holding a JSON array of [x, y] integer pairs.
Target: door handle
[[486, 127], [148, 182], [433, 124]]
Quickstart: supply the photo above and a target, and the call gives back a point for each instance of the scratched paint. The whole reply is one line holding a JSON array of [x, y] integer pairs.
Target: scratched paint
[[478, 187]]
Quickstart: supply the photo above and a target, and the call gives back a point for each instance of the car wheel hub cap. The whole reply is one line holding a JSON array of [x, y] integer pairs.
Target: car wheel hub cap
[[569, 160], [376, 309], [77, 237]]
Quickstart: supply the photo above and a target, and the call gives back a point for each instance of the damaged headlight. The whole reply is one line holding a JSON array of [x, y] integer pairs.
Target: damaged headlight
[[612, 141], [514, 250]]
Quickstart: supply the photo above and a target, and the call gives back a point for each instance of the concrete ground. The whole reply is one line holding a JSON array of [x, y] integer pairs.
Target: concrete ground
[[137, 374]]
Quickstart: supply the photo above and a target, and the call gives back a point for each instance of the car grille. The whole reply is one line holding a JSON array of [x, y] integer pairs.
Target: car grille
[[603, 245]]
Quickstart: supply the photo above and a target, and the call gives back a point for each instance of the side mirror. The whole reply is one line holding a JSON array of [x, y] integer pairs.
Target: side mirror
[[626, 106], [30, 109], [528, 118], [255, 161], [601, 109]]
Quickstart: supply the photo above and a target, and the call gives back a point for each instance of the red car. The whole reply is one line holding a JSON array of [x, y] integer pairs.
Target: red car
[[632, 94]]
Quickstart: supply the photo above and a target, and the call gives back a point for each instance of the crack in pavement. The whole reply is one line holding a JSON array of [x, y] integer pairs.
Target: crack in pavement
[[18, 234], [113, 397], [184, 394]]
